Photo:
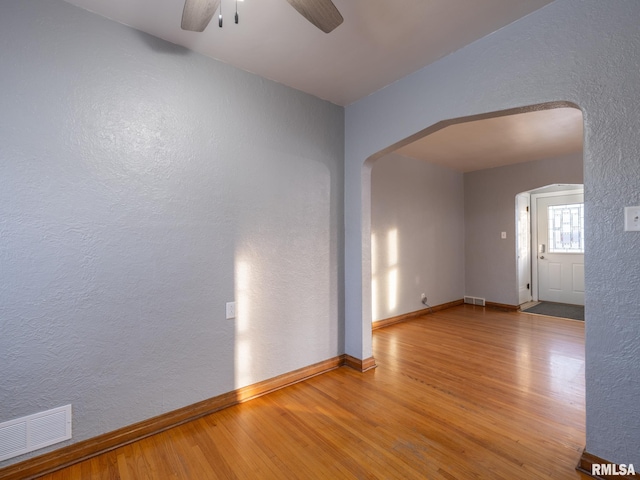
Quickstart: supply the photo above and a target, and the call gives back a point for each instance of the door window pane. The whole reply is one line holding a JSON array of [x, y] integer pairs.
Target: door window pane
[[566, 228]]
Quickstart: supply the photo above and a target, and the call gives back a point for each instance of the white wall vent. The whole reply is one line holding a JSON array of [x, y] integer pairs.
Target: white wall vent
[[474, 301], [26, 434]]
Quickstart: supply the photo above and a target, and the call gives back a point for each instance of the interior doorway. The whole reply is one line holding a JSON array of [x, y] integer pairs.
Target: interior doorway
[[550, 244]]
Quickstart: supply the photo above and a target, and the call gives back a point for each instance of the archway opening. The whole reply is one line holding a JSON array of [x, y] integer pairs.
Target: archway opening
[[447, 194]]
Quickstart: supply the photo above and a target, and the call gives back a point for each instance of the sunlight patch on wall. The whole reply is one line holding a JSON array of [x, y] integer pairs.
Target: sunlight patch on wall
[[374, 254], [243, 314], [374, 298], [374, 277], [384, 273], [392, 265], [392, 247], [242, 297], [392, 289]]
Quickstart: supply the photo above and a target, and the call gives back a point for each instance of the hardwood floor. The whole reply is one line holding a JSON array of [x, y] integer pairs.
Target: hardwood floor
[[464, 393]]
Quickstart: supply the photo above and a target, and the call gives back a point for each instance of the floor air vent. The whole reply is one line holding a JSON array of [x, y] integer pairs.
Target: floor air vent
[[32, 432], [474, 301]]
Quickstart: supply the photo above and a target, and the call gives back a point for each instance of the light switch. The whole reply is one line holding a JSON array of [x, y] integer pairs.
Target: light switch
[[632, 219], [503, 235]]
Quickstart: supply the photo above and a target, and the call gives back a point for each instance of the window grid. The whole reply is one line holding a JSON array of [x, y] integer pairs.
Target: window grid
[[566, 228]]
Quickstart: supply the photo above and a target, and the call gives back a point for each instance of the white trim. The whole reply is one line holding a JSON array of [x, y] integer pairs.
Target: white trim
[[534, 244], [517, 236]]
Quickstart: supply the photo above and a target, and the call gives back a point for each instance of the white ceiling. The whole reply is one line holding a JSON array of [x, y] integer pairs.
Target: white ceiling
[[499, 141], [379, 42]]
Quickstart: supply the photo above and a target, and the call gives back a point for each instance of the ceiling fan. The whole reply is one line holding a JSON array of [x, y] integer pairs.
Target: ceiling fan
[[322, 13]]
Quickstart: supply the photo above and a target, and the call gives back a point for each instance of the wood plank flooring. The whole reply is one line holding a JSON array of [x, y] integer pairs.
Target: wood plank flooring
[[464, 393]]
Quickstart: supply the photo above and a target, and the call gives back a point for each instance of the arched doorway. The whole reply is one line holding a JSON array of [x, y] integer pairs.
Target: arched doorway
[[442, 215]]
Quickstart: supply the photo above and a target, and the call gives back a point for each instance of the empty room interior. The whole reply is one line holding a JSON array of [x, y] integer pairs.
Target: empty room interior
[[318, 242]]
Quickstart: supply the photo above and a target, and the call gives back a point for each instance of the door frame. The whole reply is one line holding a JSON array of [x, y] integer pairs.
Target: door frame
[[534, 228], [526, 277]]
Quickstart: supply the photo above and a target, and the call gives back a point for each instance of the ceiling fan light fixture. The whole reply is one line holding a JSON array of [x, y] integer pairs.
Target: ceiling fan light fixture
[[197, 14], [323, 14]]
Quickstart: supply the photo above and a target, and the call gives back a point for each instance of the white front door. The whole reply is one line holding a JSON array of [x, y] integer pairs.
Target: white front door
[[523, 247], [560, 248]]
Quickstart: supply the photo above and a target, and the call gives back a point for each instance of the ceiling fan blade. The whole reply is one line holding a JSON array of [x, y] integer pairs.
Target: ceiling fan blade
[[197, 14], [322, 13]]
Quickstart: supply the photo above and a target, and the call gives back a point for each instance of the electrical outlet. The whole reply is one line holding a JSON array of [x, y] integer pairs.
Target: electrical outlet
[[631, 219], [423, 297], [231, 310]]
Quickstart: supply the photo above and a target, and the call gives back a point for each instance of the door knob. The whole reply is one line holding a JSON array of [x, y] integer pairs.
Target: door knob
[[541, 257]]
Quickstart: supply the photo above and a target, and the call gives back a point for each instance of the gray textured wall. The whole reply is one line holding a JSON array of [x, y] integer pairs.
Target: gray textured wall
[[581, 51], [423, 203], [141, 187], [489, 208]]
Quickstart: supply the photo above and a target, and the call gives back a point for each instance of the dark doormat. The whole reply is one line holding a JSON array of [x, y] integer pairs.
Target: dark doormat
[[575, 312]]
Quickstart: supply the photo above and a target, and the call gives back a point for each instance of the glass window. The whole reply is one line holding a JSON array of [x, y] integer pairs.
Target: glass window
[[566, 228]]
